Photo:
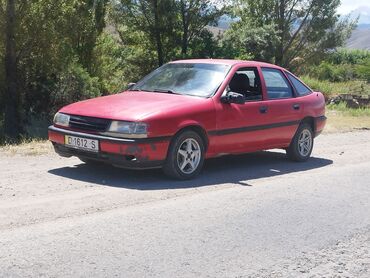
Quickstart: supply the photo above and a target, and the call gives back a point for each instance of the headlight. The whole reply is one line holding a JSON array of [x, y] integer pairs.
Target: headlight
[[61, 119], [127, 129]]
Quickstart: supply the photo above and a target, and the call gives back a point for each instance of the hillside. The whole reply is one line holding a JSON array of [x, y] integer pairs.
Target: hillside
[[360, 39]]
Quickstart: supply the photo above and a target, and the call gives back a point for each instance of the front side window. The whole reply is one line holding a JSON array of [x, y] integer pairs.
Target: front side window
[[196, 79], [246, 82], [300, 88], [276, 83]]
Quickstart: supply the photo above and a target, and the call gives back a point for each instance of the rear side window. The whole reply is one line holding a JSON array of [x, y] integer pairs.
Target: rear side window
[[298, 85], [276, 83]]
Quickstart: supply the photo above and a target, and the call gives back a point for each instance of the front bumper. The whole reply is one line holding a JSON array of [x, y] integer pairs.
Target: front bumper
[[126, 153]]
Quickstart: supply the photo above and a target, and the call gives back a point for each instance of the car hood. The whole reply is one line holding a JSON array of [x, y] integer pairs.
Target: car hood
[[130, 105]]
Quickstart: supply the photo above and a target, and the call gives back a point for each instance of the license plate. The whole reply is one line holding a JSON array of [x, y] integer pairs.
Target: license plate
[[85, 144]]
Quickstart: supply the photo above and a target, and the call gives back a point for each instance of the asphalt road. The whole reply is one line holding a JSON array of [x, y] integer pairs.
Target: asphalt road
[[255, 215]]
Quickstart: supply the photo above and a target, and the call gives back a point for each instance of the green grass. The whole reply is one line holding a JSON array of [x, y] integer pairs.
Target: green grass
[[329, 89], [342, 108]]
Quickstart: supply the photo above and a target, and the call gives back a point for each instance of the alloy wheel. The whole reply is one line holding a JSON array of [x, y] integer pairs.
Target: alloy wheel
[[188, 156], [305, 142]]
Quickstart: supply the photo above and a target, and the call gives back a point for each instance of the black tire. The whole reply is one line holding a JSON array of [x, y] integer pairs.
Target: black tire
[[295, 151], [171, 167]]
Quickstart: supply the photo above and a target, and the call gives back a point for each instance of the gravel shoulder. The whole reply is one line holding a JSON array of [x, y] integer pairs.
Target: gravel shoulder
[[256, 215]]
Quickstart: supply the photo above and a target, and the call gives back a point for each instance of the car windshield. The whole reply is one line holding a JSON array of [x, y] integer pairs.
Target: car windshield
[[194, 79]]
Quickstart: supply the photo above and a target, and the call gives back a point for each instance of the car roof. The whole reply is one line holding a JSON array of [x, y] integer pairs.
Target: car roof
[[228, 62]]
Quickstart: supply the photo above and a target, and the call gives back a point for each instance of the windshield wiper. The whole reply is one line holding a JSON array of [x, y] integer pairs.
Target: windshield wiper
[[165, 91], [139, 90]]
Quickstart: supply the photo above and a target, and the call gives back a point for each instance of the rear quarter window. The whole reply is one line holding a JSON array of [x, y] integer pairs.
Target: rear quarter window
[[300, 88]]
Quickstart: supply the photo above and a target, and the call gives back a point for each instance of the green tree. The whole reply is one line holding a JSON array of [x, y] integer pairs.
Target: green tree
[[11, 119], [302, 30], [195, 15], [46, 38], [153, 21], [82, 25], [249, 41], [170, 28]]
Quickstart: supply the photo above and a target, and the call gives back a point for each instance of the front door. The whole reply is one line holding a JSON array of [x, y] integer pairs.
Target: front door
[[242, 127]]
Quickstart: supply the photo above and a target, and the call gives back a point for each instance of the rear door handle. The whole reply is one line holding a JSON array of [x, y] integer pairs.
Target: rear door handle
[[263, 109], [296, 106]]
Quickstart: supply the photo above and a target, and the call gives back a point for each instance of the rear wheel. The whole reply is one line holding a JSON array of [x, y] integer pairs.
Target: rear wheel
[[302, 143], [185, 156]]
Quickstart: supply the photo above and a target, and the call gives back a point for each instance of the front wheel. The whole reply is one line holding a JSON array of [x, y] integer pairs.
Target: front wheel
[[185, 156], [302, 143]]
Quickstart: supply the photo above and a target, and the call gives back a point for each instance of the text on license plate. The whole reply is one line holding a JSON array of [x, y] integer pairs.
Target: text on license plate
[[82, 143]]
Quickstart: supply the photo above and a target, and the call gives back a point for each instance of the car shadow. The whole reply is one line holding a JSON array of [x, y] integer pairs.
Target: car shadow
[[229, 169]]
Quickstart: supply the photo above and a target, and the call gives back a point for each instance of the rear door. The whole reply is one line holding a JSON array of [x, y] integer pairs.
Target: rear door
[[283, 108]]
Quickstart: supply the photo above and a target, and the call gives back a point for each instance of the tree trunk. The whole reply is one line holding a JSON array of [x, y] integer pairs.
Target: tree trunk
[[279, 58], [12, 119], [185, 30], [157, 34]]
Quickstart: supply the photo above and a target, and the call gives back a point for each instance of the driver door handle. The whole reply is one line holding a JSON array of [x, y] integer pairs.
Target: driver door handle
[[263, 109], [296, 106]]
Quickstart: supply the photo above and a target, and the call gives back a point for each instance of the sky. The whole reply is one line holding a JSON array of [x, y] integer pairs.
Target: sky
[[348, 6]]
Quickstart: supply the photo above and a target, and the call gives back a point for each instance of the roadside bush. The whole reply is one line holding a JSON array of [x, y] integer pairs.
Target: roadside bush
[[73, 85], [343, 108], [342, 65], [334, 73], [329, 89], [108, 64], [363, 70], [348, 56]]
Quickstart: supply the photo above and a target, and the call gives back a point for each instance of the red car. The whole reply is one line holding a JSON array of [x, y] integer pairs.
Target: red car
[[190, 110]]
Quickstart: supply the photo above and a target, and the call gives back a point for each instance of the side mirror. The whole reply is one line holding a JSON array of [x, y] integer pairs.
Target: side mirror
[[232, 97], [130, 85]]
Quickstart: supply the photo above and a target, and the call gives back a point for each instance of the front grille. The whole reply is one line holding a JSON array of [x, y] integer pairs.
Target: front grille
[[88, 123]]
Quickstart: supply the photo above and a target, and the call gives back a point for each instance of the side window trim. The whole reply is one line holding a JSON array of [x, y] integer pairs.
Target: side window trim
[[294, 90], [285, 78], [297, 94], [256, 71]]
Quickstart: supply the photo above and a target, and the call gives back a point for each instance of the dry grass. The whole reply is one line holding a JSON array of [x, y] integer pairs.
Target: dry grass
[[340, 121], [29, 148]]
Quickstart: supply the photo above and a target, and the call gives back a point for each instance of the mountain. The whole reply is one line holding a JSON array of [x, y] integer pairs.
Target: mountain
[[360, 38]]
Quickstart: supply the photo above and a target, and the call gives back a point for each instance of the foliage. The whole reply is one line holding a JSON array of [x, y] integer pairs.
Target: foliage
[[334, 88], [50, 37], [109, 64], [342, 65], [246, 40], [72, 85], [348, 56], [363, 69], [333, 73], [194, 16], [168, 28], [343, 108], [291, 32]]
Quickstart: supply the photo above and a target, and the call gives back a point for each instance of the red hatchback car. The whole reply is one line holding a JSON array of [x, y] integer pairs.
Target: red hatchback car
[[190, 110]]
